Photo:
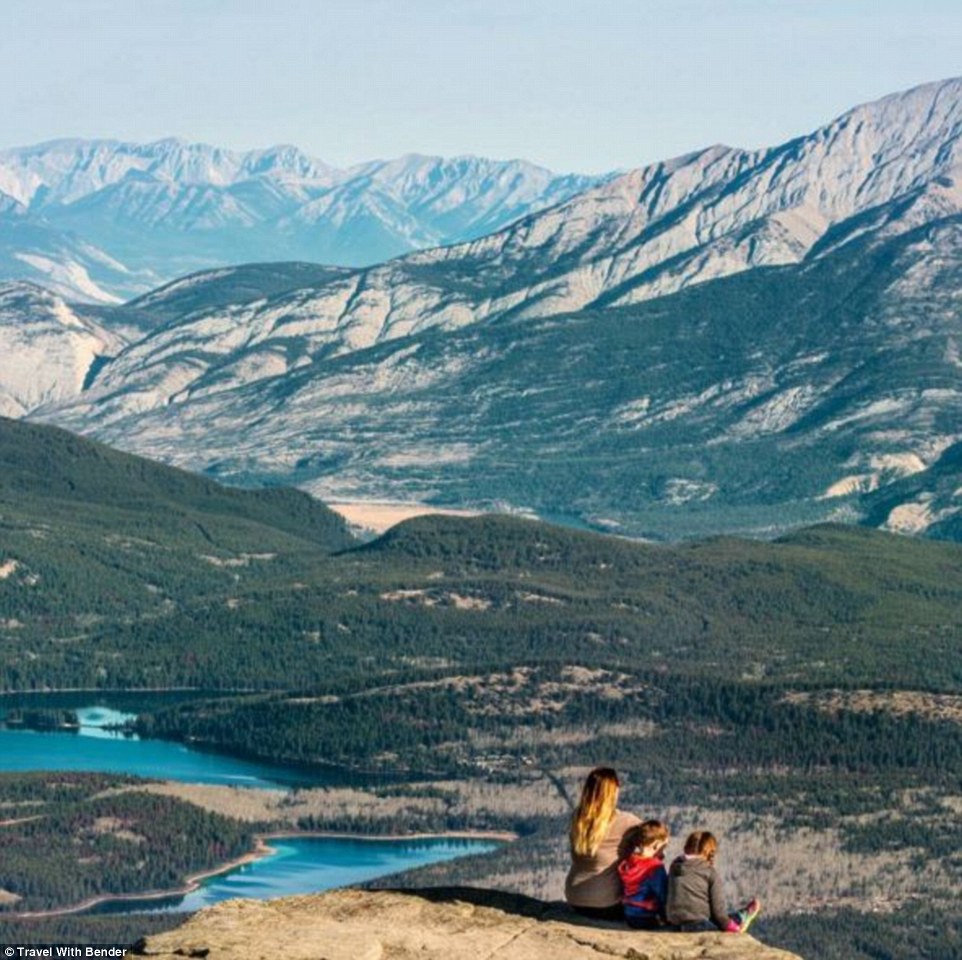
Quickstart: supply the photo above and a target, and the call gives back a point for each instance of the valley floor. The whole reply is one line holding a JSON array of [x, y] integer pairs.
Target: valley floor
[[376, 517]]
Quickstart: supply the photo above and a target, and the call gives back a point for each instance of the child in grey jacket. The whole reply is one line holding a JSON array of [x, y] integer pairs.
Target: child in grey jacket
[[696, 900]]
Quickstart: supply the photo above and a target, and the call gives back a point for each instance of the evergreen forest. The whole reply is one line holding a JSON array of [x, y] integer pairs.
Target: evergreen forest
[[803, 688]]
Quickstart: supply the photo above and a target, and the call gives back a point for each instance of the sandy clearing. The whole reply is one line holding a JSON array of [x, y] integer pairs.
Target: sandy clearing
[[380, 516]]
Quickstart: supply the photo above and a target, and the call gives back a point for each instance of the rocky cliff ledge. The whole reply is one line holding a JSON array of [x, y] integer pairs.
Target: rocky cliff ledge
[[437, 924]]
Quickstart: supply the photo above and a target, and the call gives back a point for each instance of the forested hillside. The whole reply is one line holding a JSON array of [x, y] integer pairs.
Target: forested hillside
[[801, 695], [76, 837]]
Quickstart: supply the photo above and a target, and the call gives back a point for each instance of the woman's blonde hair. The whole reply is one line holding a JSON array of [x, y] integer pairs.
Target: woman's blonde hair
[[595, 811], [701, 843]]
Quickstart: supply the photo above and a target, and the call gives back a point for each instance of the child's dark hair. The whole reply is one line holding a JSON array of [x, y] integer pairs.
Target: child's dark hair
[[647, 833], [701, 843]]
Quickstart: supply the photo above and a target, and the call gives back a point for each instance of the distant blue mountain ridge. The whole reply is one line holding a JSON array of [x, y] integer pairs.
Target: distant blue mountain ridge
[[103, 220]]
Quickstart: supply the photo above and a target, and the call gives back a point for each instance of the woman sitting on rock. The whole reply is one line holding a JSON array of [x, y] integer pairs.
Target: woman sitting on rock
[[598, 843]]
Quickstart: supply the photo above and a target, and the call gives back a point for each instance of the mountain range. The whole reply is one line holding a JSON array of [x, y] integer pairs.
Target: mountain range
[[103, 220], [730, 340]]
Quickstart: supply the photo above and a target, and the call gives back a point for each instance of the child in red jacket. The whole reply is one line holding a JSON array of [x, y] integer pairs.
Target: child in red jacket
[[644, 880]]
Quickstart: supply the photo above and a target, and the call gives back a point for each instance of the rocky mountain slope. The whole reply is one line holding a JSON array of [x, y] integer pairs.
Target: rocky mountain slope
[[883, 168], [430, 924], [49, 350], [32, 250], [731, 340], [102, 218]]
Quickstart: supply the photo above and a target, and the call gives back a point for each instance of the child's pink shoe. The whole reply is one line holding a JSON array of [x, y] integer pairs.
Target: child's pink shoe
[[744, 918]]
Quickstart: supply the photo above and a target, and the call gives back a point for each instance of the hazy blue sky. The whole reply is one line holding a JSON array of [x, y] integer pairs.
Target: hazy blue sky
[[572, 84]]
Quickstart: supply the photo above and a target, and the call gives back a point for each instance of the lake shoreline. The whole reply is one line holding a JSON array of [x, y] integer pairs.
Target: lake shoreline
[[261, 849], [224, 788], [314, 767]]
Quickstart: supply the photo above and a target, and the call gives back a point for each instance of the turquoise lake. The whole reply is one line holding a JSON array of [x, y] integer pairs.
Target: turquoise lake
[[96, 747], [296, 865], [307, 865]]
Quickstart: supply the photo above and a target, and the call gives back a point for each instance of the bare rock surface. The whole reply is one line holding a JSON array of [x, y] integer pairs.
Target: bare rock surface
[[442, 924]]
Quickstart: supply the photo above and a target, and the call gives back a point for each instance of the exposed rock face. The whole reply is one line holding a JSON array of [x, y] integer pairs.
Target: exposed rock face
[[46, 348], [430, 925]]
